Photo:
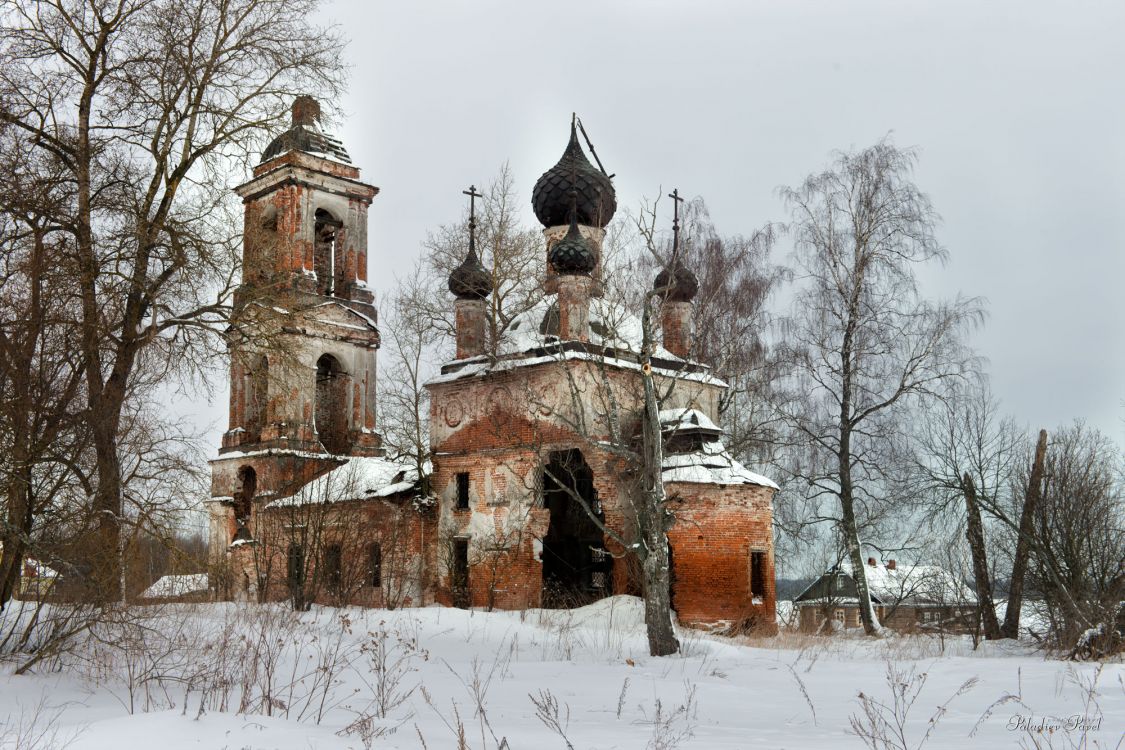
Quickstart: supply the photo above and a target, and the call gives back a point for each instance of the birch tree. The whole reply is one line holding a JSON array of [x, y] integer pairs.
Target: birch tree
[[861, 343]]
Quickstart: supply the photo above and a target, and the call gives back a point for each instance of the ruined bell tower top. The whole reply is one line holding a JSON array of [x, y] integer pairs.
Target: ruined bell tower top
[[306, 135], [306, 111]]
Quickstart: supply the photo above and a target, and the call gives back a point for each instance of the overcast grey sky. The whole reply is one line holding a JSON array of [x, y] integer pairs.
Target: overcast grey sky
[[1018, 109]]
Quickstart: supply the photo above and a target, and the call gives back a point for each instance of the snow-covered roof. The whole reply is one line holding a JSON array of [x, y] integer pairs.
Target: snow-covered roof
[[178, 585], [914, 583], [711, 464], [608, 325], [904, 584], [359, 478], [675, 420], [614, 336]]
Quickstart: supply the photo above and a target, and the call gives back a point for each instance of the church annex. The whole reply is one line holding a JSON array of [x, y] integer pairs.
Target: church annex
[[527, 498]]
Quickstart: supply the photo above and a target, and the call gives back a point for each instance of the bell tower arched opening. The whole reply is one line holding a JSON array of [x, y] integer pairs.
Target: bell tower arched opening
[[244, 502], [332, 405], [326, 257]]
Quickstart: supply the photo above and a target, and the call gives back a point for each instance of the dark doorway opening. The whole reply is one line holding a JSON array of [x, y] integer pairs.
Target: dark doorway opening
[[331, 405], [460, 582], [576, 568]]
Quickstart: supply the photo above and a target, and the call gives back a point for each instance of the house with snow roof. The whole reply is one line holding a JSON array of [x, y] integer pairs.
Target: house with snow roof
[[907, 598]]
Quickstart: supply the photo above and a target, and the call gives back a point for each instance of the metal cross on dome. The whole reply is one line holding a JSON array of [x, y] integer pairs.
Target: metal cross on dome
[[473, 195], [676, 201]]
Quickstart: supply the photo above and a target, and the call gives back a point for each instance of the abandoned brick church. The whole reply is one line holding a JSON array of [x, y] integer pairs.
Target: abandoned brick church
[[525, 500]]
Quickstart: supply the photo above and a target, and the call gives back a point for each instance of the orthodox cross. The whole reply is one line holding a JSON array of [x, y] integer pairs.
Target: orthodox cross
[[473, 195], [676, 201]]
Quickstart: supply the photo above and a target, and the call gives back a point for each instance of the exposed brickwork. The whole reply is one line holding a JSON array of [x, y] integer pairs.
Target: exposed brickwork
[[498, 430], [717, 528], [471, 320], [675, 323]]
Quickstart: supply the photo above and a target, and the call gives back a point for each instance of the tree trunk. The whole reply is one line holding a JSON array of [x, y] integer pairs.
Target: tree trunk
[[867, 616], [975, 533], [1023, 544], [662, 639], [16, 528], [653, 522]]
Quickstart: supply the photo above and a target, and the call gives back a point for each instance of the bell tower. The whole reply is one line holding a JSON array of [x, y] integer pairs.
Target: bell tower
[[304, 335]]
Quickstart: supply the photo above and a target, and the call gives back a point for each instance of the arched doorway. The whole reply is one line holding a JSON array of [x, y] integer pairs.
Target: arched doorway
[[576, 567], [332, 405]]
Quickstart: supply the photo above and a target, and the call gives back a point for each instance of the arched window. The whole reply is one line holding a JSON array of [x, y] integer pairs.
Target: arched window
[[331, 405], [243, 499], [326, 260]]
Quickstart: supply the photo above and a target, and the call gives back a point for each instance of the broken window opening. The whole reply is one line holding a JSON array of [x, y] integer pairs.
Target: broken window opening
[[460, 574], [243, 502], [757, 573], [325, 251], [331, 405], [462, 490], [576, 568], [334, 568], [375, 565], [295, 569]]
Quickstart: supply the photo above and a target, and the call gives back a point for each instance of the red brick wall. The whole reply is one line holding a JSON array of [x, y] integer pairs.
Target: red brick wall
[[496, 429], [715, 531]]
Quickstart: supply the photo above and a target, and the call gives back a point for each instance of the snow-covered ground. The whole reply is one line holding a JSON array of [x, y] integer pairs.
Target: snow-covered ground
[[520, 680]]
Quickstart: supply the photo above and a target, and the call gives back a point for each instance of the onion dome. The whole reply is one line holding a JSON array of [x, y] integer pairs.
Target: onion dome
[[597, 200], [306, 135], [572, 254], [470, 280], [677, 283]]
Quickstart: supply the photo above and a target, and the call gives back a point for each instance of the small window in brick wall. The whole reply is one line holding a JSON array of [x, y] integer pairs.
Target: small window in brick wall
[[295, 566], [375, 565], [757, 573], [462, 490], [334, 567]]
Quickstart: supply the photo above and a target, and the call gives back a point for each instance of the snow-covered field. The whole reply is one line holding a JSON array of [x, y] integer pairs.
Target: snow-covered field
[[231, 676]]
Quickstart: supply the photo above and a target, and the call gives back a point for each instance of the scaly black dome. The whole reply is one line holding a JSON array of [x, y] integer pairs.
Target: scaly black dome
[[677, 282], [572, 254], [470, 280], [305, 135], [597, 200]]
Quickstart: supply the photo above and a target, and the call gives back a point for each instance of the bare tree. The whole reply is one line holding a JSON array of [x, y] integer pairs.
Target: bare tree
[[1078, 541], [729, 318], [1025, 538], [41, 438], [966, 454], [861, 344], [410, 343], [511, 252], [141, 105]]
